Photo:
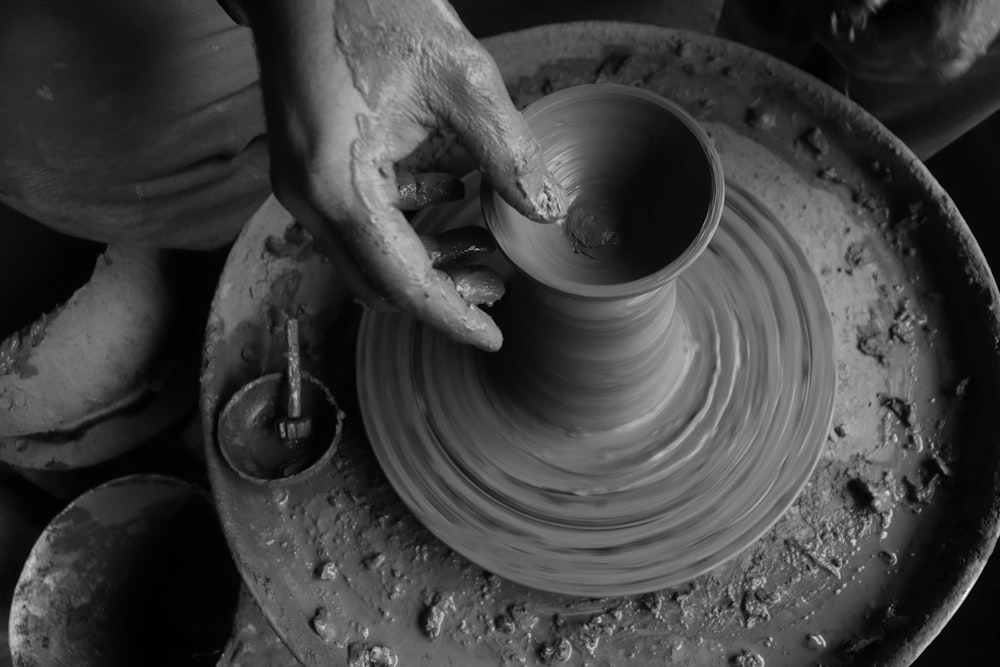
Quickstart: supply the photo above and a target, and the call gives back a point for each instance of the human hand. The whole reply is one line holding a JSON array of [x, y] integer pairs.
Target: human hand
[[353, 86], [909, 40]]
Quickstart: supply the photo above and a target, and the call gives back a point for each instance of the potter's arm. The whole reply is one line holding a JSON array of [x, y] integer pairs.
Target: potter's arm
[[352, 87]]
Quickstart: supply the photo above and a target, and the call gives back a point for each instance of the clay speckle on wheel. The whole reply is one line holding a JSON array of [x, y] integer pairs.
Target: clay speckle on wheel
[[818, 570]]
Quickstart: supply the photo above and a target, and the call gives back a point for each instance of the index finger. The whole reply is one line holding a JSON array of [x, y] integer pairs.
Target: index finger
[[393, 259]]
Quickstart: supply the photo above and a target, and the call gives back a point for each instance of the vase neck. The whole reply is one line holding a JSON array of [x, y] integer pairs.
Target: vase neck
[[588, 365]]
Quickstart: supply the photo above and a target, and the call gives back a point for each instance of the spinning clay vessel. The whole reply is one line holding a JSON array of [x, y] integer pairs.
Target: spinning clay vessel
[[878, 548], [667, 378]]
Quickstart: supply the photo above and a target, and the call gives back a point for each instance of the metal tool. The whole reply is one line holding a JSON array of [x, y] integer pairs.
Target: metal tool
[[294, 426], [281, 427]]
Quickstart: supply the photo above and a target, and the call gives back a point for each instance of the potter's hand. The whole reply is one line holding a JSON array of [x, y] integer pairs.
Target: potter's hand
[[909, 40], [353, 86]]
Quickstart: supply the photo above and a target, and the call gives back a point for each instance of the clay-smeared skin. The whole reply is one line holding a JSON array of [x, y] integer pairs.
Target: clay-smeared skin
[[723, 409], [909, 40], [353, 86], [419, 190]]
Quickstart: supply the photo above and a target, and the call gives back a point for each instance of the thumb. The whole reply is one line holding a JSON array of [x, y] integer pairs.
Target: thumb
[[481, 112]]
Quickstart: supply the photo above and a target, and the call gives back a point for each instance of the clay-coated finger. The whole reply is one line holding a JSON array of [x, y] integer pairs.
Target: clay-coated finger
[[419, 190], [458, 246], [478, 285], [497, 135], [393, 259]]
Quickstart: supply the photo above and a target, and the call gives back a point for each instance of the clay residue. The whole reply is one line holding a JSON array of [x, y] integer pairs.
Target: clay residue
[[16, 349], [377, 50], [650, 378], [592, 228], [840, 564], [296, 243]]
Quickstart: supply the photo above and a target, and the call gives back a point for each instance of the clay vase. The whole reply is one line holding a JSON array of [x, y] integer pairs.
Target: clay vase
[[134, 572], [647, 417], [594, 297]]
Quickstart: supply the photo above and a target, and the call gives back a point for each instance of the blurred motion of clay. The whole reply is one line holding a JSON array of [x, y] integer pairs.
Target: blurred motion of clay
[[662, 394], [898, 495], [925, 68]]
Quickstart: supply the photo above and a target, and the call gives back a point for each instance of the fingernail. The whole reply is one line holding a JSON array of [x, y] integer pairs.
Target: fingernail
[[489, 338]]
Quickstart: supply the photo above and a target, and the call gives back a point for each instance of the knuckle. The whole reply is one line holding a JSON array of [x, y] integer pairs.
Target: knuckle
[[482, 74], [471, 70]]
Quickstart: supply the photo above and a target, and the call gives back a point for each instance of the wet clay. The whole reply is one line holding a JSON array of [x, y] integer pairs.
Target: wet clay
[[867, 564], [613, 446], [384, 60], [380, 55], [645, 190]]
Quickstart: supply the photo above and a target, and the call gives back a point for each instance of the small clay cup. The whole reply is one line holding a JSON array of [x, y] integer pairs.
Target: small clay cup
[[646, 188], [248, 432]]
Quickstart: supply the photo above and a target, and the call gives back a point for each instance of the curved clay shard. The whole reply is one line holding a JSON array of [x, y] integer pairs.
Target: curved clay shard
[[93, 355]]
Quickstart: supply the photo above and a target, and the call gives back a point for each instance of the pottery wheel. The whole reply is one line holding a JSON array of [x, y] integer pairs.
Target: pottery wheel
[[632, 508], [876, 551]]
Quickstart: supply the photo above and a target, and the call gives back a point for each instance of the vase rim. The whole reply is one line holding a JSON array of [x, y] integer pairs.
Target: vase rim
[[707, 156]]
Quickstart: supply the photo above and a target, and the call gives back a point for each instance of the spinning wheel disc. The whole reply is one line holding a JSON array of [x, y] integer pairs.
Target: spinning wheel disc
[[634, 507]]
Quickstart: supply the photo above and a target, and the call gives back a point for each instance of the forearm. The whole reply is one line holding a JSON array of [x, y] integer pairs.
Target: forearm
[[301, 69]]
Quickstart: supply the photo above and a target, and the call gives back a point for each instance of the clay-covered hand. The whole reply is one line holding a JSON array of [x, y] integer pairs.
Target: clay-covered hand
[[909, 40], [353, 86]]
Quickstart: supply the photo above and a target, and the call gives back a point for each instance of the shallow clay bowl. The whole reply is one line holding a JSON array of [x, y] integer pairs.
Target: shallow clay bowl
[[648, 416], [134, 572]]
